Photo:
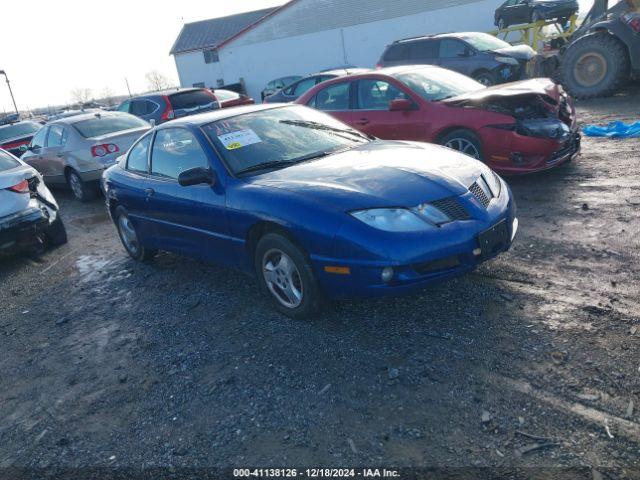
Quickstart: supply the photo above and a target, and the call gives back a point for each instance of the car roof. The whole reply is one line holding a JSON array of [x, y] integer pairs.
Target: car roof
[[167, 92], [85, 116], [6, 125], [221, 113], [340, 72], [437, 35]]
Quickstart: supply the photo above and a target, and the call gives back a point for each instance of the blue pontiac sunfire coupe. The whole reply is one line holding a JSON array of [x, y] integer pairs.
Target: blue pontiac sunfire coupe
[[312, 206]]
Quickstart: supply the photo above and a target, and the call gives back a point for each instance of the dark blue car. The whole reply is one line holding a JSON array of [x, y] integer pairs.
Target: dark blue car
[[310, 205]]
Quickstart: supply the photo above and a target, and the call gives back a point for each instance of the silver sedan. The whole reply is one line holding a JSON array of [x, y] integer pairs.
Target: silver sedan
[[74, 151]]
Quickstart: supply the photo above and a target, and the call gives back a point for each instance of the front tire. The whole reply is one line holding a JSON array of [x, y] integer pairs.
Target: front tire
[[464, 141], [285, 276], [594, 66], [129, 238], [485, 78], [81, 190]]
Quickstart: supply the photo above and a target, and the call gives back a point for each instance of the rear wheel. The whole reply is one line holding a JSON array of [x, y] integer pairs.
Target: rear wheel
[[129, 238], [286, 277], [465, 141], [594, 66], [81, 190]]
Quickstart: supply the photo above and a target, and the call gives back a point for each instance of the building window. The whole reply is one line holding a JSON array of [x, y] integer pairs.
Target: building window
[[210, 56], [198, 85]]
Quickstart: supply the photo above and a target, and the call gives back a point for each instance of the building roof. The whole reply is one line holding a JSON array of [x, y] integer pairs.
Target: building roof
[[213, 32]]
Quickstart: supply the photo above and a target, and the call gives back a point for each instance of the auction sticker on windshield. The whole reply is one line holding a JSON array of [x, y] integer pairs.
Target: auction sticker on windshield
[[239, 139]]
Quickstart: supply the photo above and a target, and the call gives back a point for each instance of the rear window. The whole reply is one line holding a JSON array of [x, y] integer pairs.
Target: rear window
[[423, 50], [7, 162], [21, 129], [396, 52], [224, 95], [104, 125], [191, 99]]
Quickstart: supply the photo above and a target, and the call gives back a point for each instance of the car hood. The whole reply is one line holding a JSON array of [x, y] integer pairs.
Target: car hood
[[379, 174], [519, 52], [534, 86]]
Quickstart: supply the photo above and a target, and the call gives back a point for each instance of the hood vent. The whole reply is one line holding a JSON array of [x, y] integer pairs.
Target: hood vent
[[481, 191]]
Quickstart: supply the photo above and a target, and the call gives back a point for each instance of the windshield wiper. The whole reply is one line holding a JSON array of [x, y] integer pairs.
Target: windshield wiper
[[327, 128], [283, 163]]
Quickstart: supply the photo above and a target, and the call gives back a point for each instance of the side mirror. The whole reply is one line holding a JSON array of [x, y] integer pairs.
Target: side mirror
[[197, 176], [401, 105]]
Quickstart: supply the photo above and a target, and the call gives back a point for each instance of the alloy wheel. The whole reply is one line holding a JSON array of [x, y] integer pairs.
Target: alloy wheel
[[464, 146], [128, 234], [282, 278], [76, 186]]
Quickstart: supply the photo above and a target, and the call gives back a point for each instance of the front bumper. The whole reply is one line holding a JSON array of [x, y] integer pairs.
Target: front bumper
[[24, 230], [532, 154], [459, 252]]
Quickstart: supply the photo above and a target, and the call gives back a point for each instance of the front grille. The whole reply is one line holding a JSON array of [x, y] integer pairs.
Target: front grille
[[451, 208], [479, 193]]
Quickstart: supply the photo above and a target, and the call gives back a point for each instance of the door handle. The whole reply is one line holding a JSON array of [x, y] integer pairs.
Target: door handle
[[363, 121], [149, 192]]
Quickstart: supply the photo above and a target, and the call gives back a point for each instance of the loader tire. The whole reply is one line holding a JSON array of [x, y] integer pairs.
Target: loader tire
[[595, 65]]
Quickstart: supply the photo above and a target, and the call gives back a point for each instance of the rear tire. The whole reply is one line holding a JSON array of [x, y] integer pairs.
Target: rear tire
[[81, 190], [129, 238], [594, 66], [464, 141], [285, 276], [56, 233]]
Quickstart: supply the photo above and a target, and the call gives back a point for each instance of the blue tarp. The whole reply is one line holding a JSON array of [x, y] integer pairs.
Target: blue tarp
[[613, 130]]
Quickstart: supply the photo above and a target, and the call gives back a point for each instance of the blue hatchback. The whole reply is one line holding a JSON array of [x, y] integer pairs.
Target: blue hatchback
[[310, 205]]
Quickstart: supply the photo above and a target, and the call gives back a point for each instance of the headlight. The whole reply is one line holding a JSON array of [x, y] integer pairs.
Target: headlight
[[544, 128], [507, 60], [392, 219], [431, 213], [493, 180]]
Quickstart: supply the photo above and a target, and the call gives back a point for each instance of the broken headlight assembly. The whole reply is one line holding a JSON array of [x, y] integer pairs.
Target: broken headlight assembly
[[539, 127]]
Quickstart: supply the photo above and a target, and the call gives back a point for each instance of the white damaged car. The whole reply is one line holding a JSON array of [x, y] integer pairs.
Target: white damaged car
[[29, 217]]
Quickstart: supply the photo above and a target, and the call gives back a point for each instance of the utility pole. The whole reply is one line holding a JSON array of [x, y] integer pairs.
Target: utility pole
[[2, 72], [128, 89]]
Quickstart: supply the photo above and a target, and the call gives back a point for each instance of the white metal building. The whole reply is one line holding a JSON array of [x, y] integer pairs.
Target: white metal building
[[306, 36]]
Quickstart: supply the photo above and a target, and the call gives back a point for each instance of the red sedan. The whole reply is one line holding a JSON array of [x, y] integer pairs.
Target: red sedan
[[515, 128]]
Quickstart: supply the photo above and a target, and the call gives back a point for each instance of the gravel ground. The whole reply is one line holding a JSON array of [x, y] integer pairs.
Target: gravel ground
[[109, 363]]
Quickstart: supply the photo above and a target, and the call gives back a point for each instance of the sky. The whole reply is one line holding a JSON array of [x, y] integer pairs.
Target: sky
[[48, 48]]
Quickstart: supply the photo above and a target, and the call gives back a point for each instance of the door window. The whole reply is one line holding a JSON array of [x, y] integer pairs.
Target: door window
[[334, 97], [38, 140], [424, 50], [142, 107], [139, 155], [174, 151], [450, 48], [302, 86], [376, 94], [57, 136]]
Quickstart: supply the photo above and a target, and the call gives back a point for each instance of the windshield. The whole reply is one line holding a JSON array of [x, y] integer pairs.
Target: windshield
[[18, 130], [280, 135], [104, 125], [484, 42], [435, 84]]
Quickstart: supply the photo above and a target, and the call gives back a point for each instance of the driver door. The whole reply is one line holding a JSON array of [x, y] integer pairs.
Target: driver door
[[372, 114], [190, 220]]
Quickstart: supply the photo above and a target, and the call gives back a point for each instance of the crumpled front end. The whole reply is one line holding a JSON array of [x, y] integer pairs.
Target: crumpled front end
[[543, 133]]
